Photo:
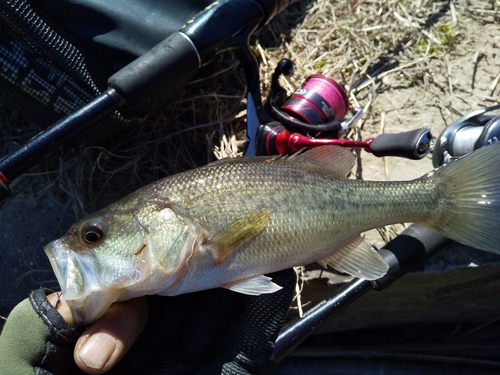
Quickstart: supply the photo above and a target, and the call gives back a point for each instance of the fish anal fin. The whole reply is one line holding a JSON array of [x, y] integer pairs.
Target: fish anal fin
[[357, 258], [238, 232], [333, 158], [254, 286]]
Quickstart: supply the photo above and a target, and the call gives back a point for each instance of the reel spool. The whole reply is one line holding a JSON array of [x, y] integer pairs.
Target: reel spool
[[320, 100], [319, 106], [473, 131]]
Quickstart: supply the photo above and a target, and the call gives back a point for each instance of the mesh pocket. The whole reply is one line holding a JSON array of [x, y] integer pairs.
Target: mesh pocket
[[44, 72]]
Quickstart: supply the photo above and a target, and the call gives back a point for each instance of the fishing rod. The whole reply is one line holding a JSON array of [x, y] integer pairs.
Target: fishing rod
[[284, 126], [158, 76], [314, 115], [403, 253], [416, 243], [155, 78]]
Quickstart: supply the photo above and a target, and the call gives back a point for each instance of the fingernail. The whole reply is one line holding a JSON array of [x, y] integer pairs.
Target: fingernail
[[97, 350]]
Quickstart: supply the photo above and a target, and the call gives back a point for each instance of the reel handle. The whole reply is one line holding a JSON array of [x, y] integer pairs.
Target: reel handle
[[414, 144]]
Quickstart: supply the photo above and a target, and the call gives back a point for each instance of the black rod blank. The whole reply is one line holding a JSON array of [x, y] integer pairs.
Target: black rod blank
[[15, 164]]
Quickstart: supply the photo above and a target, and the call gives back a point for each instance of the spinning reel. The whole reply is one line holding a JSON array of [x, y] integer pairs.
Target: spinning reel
[[470, 132], [314, 115], [318, 106]]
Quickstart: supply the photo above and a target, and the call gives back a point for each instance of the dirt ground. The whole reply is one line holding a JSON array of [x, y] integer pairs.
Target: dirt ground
[[436, 93], [442, 63]]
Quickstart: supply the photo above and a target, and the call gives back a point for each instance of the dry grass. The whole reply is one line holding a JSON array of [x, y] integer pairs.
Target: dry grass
[[372, 47], [407, 63]]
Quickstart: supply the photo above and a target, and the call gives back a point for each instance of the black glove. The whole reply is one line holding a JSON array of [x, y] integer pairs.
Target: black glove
[[211, 332], [36, 338]]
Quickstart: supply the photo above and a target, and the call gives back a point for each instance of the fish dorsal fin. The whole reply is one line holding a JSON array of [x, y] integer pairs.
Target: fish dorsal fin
[[238, 232], [241, 159], [254, 286], [357, 258], [334, 158]]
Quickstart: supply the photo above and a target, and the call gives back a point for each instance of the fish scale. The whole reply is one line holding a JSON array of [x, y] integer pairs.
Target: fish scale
[[233, 221], [311, 207]]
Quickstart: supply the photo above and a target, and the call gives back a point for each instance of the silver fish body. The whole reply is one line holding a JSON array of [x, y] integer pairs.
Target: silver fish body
[[230, 222]]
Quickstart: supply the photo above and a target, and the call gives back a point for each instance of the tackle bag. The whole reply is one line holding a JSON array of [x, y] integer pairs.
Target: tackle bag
[[56, 56]]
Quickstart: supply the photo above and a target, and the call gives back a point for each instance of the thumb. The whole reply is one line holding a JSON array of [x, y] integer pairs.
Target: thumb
[[108, 339]]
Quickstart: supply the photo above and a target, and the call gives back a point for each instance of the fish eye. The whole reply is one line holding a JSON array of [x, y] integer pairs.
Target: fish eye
[[92, 234]]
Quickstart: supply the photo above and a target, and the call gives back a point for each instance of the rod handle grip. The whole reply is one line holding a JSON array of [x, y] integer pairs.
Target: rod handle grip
[[155, 78], [409, 248]]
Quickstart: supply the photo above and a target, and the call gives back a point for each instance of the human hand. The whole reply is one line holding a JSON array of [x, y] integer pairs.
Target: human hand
[[208, 332], [106, 341]]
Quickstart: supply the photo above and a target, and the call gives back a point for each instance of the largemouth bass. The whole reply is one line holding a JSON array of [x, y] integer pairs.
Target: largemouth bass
[[231, 222]]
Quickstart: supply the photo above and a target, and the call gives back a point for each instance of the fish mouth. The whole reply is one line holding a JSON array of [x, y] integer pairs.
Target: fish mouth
[[67, 269], [75, 273]]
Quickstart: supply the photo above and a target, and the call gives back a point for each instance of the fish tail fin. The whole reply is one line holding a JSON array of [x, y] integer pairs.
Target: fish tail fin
[[471, 190]]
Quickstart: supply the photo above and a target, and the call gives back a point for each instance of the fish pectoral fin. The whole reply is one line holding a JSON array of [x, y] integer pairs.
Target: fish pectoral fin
[[357, 258], [238, 232], [254, 286]]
